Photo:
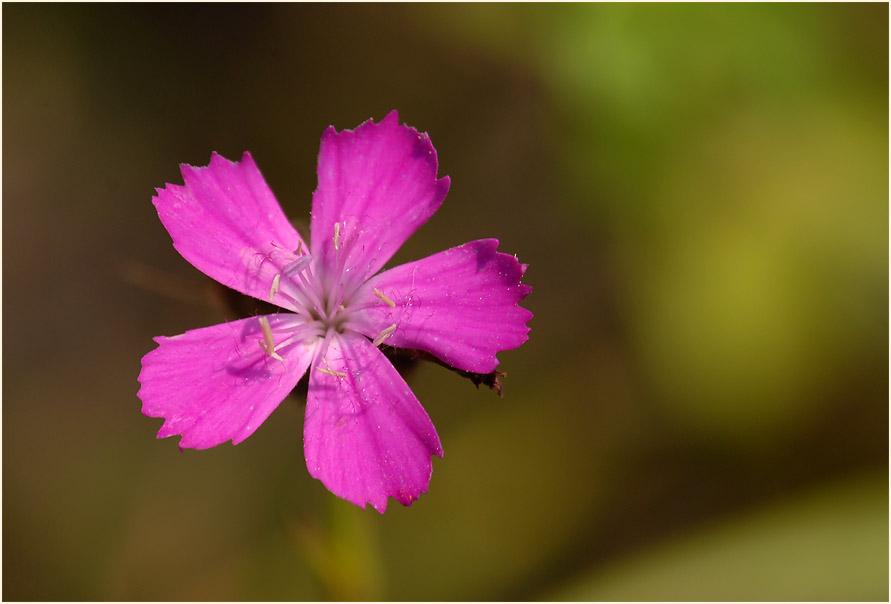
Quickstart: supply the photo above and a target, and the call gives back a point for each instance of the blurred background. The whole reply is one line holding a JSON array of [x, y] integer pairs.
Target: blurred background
[[701, 193]]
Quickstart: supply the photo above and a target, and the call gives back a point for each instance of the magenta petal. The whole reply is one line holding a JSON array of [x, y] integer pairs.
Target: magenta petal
[[461, 305], [226, 222], [216, 384], [377, 185], [366, 436]]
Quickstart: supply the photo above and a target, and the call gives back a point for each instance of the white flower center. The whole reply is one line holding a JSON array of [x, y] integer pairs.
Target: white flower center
[[321, 299]]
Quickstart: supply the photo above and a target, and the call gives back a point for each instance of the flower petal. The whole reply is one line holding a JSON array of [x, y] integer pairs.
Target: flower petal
[[377, 185], [461, 305], [215, 384], [366, 436], [226, 222]]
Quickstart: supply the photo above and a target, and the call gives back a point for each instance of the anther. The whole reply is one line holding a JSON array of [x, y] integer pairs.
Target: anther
[[386, 300], [383, 335], [336, 235], [267, 344], [297, 266], [274, 288], [331, 372]]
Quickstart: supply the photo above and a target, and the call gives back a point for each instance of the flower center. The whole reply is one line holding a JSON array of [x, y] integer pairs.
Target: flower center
[[336, 317], [317, 293], [317, 297], [320, 296]]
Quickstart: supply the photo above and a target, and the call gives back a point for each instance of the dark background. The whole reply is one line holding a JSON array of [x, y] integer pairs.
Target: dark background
[[701, 193]]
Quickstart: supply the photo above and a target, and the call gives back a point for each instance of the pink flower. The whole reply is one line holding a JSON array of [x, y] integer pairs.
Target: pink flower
[[366, 436]]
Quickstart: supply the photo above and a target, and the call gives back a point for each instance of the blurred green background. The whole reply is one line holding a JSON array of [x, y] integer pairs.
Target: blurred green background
[[701, 193]]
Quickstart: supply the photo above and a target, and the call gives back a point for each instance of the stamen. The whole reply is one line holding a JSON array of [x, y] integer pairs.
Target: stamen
[[384, 335], [303, 332], [300, 288], [273, 354], [274, 289], [268, 344], [336, 235], [299, 250], [297, 266], [381, 295], [331, 372]]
